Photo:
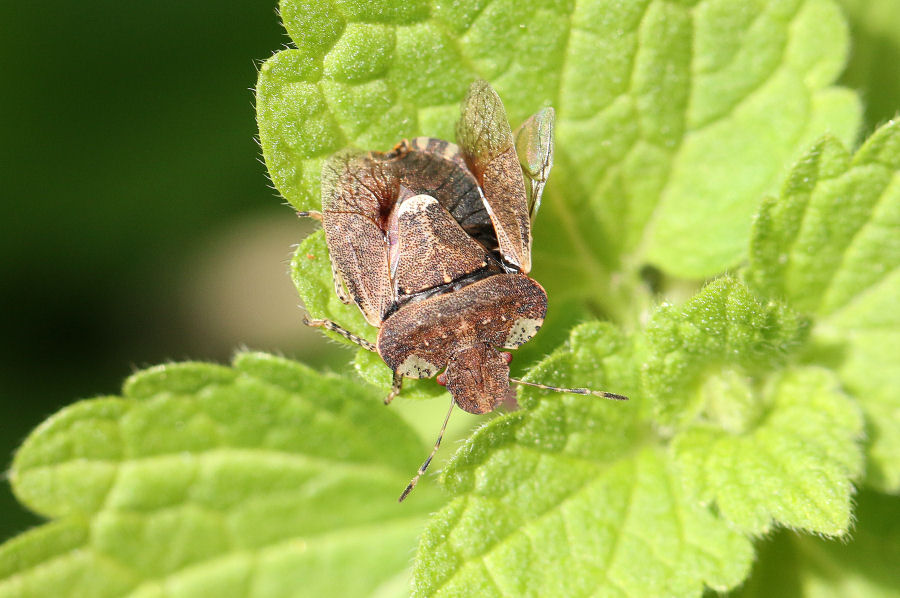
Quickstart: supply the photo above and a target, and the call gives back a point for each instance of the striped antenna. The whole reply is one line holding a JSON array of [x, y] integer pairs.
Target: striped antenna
[[415, 480], [574, 391]]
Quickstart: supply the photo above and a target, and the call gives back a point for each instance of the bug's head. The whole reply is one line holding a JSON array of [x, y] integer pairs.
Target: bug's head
[[477, 377]]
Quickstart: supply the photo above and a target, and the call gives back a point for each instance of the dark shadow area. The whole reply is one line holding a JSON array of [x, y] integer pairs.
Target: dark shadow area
[[128, 138]]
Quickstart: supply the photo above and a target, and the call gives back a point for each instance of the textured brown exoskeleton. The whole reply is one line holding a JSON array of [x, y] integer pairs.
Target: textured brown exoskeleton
[[433, 243]]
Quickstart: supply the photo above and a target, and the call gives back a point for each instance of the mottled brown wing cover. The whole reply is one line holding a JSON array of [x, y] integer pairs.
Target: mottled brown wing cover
[[357, 197], [363, 195], [486, 141], [492, 311], [436, 167], [432, 249]]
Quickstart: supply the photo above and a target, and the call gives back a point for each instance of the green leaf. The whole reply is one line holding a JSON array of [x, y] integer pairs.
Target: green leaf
[[622, 524], [573, 483], [758, 94], [791, 463], [202, 480], [792, 566], [673, 118], [830, 245], [724, 325], [638, 508], [874, 65]]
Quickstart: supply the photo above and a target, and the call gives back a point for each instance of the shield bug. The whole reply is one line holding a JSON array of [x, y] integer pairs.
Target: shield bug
[[432, 241]]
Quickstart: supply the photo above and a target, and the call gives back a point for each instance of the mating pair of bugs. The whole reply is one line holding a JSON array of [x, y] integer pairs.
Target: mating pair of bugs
[[433, 242]]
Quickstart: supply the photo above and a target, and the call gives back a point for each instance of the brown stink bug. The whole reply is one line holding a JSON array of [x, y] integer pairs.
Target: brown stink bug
[[432, 241]]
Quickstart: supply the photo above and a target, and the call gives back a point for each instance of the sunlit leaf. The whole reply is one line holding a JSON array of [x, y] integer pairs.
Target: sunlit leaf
[[261, 479]]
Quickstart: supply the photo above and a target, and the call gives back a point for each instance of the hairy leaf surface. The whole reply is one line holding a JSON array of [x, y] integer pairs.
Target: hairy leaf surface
[[258, 480], [865, 564], [791, 461], [574, 484], [830, 245], [673, 118]]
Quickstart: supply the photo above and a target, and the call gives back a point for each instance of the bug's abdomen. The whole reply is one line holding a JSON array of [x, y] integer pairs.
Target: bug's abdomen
[[504, 310]]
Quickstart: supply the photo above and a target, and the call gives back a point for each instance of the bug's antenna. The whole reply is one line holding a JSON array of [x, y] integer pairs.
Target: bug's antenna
[[415, 480], [574, 391]]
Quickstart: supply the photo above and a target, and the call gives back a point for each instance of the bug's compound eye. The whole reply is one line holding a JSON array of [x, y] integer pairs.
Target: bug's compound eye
[[507, 357], [442, 378]]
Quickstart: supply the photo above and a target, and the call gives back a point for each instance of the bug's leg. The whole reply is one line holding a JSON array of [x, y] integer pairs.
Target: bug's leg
[[399, 151], [574, 391], [339, 286], [437, 445], [338, 281], [329, 325], [395, 388]]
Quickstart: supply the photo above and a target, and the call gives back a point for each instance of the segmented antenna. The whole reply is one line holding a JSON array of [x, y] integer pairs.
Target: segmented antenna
[[415, 480], [574, 391]]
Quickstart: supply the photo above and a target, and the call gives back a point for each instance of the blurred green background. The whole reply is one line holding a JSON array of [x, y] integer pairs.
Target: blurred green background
[[138, 225]]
